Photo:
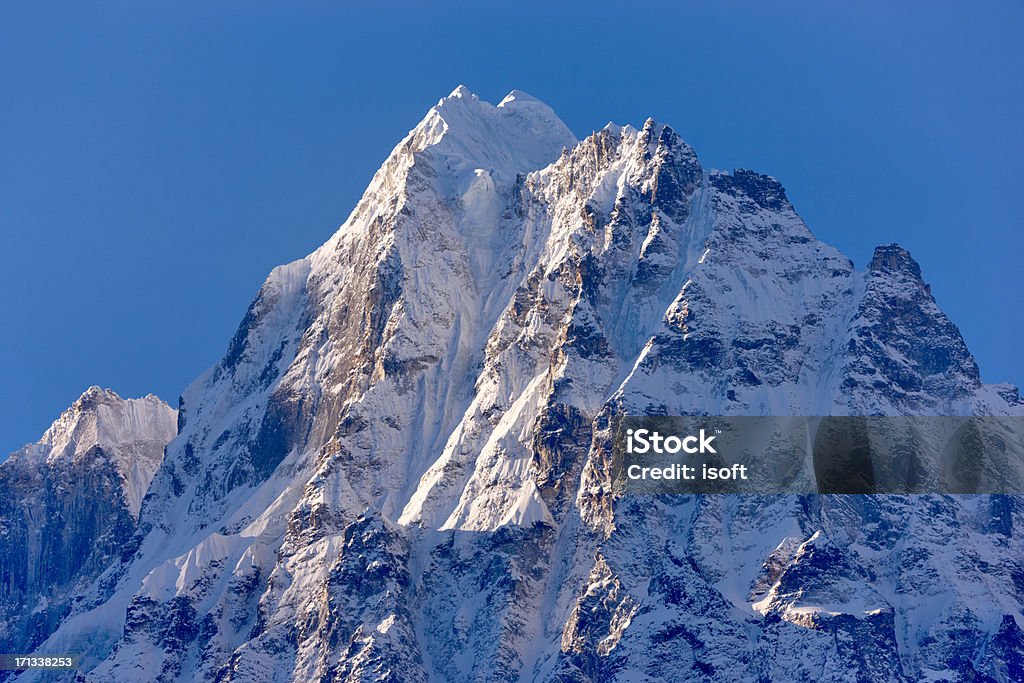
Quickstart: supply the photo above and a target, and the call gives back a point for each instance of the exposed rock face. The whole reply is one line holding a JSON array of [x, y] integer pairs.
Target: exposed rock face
[[70, 505], [400, 469]]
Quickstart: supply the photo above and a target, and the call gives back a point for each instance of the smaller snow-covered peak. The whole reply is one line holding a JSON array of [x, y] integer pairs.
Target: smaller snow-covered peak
[[131, 432], [96, 396], [460, 92], [99, 417], [96, 391], [458, 108]]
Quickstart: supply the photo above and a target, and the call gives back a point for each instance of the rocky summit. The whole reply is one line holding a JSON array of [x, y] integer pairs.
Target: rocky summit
[[400, 469]]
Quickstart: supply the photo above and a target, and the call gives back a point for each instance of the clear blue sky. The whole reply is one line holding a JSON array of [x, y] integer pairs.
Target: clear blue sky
[[158, 158]]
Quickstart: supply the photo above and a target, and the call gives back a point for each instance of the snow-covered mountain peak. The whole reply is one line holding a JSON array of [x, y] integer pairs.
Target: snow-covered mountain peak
[[521, 134], [93, 393], [461, 91], [463, 145], [129, 432], [421, 411], [99, 417]]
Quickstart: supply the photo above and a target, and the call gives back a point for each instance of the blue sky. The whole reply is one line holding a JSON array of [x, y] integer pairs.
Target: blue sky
[[157, 159]]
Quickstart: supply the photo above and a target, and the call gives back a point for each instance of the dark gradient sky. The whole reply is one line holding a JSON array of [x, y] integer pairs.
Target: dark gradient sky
[[157, 159]]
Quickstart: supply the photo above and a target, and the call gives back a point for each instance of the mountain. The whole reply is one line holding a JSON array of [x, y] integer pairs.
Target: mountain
[[400, 470], [70, 506]]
